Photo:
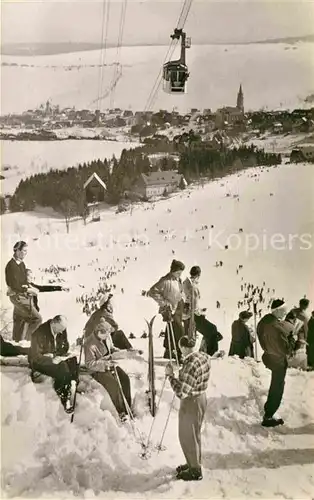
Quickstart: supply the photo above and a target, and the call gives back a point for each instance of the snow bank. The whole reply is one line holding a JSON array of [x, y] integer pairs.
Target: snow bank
[[97, 456]]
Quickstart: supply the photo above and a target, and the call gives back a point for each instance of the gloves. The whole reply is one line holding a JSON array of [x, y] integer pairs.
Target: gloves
[[166, 313]]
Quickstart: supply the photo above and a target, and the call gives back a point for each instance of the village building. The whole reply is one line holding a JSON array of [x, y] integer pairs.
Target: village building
[[158, 183], [304, 152], [95, 189], [231, 115]]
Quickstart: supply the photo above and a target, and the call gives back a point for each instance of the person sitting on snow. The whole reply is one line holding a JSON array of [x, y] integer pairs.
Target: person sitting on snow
[[49, 346], [100, 358], [105, 311], [241, 341], [208, 330], [168, 293], [273, 335]]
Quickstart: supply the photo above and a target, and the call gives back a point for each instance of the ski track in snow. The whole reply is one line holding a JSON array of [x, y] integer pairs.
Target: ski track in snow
[[43, 455]]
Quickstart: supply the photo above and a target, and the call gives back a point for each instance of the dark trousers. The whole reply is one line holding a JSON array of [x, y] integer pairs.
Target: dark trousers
[[209, 332], [8, 349], [191, 416], [120, 340], [109, 381], [278, 369], [178, 332], [62, 373], [24, 312]]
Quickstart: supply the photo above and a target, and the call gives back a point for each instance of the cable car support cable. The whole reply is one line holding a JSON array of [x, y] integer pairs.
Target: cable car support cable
[[186, 7]]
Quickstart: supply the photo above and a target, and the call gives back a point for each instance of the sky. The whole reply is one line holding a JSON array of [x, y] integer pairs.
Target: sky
[[152, 21]]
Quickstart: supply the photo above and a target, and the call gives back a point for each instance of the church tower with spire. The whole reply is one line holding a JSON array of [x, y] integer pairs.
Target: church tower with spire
[[240, 99]]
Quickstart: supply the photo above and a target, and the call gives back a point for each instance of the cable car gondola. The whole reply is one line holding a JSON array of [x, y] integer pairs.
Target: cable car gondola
[[176, 73]]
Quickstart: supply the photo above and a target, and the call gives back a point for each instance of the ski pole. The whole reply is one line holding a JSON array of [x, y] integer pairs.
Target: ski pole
[[144, 454], [127, 406], [173, 340], [159, 446], [77, 381], [255, 328]]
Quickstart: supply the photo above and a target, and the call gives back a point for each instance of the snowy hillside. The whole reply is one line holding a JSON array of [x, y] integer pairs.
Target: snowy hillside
[[272, 75], [95, 455], [24, 158]]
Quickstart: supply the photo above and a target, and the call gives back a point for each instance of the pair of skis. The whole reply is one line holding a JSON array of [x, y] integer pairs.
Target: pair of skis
[[151, 368]]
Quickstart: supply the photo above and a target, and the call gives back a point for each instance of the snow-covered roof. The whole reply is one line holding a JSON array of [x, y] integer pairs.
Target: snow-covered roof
[[160, 178], [95, 176]]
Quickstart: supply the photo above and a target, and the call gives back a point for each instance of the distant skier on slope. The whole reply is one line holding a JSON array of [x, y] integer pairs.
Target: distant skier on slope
[[273, 335], [241, 340], [190, 387], [49, 346], [16, 280], [192, 295], [100, 359], [168, 293]]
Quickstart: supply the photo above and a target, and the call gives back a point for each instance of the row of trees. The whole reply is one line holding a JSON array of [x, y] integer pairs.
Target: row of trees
[[63, 189]]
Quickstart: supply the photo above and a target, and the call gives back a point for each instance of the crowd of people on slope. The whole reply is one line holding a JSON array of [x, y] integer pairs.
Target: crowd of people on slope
[[104, 344]]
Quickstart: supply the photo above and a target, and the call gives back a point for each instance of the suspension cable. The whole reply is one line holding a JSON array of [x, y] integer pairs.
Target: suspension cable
[[118, 68], [185, 10], [102, 52]]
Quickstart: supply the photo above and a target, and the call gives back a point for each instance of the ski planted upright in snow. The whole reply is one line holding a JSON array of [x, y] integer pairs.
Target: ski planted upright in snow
[[151, 369]]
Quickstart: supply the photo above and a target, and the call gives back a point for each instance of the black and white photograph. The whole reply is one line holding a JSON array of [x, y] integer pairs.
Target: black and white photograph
[[157, 249]]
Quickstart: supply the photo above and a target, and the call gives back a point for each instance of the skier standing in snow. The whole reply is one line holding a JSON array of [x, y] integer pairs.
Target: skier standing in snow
[[49, 346], [16, 280], [105, 311], [301, 324], [273, 335], [241, 341], [190, 387], [168, 293], [192, 296], [99, 358]]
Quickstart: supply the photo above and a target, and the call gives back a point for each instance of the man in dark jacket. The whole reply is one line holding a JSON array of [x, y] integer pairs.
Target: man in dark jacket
[[49, 344], [273, 335], [241, 342], [16, 280]]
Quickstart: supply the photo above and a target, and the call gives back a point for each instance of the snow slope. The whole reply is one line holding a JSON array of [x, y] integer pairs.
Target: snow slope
[[95, 455], [272, 75], [24, 158]]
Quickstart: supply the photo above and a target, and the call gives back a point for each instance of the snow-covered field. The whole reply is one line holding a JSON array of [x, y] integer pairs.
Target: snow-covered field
[[43, 455], [24, 158], [272, 75]]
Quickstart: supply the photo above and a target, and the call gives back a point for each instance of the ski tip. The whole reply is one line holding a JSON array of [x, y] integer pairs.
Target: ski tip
[[150, 322]]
